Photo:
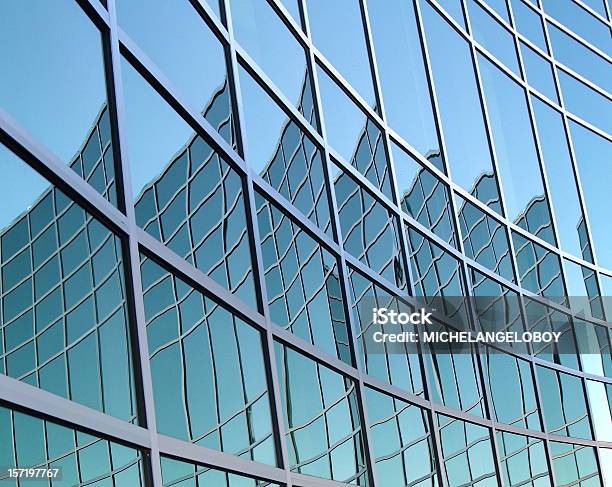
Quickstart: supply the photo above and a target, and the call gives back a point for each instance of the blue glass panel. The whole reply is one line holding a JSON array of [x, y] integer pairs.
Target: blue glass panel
[[454, 9], [561, 181], [593, 155], [402, 76], [585, 102], [345, 47], [514, 142], [467, 148], [581, 22], [493, 36], [529, 23], [179, 42], [267, 40], [539, 73], [579, 58]]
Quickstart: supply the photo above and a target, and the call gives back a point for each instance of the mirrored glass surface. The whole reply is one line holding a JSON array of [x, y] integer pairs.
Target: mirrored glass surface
[[64, 317], [80, 458], [185, 194], [423, 195], [399, 369], [370, 231], [207, 368], [467, 453], [400, 441], [322, 421], [55, 86], [179, 42], [574, 463], [593, 156], [302, 282], [529, 23], [187, 474], [539, 72], [353, 134], [346, 47], [559, 170], [493, 36], [523, 460], [401, 69], [272, 46], [511, 128], [467, 148]]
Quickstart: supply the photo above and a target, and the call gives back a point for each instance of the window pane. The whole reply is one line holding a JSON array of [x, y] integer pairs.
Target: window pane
[[399, 369], [561, 182], [523, 460], [423, 196], [267, 40], [467, 453], [356, 138], [185, 194], [514, 142], [539, 73], [563, 404], [322, 420], [581, 22], [574, 464], [593, 155], [467, 149], [207, 368], [283, 154], [65, 327], [400, 441], [187, 474], [529, 23], [79, 456], [582, 290], [345, 47], [585, 102], [484, 239], [493, 37], [303, 286], [370, 231], [58, 77], [402, 75], [600, 410], [179, 42]]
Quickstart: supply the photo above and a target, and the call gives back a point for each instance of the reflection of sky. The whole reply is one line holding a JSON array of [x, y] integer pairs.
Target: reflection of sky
[[155, 132], [55, 83], [20, 186]]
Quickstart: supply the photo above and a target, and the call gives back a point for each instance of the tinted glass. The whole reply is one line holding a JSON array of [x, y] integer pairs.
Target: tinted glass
[[467, 149], [207, 368], [561, 181], [399, 369], [346, 48], [370, 231], [302, 282], [467, 453], [593, 155], [356, 138], [539, 73], [322, 421], [484, 239], [179, 42], [185, 194], [574, 463], [492, 36], [528, 23], [184, 474], [514, 142], [30, 442], [401, 69], [423, 196], [600, 410], [64, 311], [58, 77], [267, 40], [582, 289], [401, 442], [283, 154], [523, 460]]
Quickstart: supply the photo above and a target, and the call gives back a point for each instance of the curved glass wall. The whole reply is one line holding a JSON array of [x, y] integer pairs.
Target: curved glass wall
[[203, 201]]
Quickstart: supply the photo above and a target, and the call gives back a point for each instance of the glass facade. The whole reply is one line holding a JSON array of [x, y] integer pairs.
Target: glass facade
[[201, 200]]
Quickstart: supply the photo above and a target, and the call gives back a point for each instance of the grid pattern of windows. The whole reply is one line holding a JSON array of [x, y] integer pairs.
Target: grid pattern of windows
[[190, 253]]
